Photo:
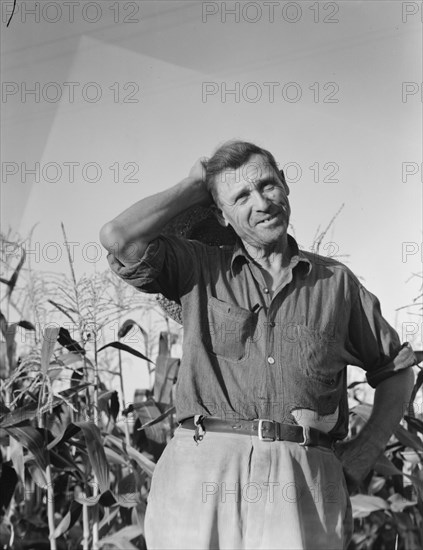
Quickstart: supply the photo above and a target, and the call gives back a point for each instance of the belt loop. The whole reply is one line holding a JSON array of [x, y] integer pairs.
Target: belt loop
[[277, 431], [200, 430], [306, 436]]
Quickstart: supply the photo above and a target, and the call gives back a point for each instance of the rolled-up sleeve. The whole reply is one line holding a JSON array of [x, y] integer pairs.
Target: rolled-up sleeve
[[374, 343], [167, 267]]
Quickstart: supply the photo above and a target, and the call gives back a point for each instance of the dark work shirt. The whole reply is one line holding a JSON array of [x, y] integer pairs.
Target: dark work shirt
[[248, 353]]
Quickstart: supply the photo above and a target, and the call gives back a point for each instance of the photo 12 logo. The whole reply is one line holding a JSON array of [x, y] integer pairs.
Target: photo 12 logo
[[33, 11], [269, 92], [69, 172], [270, 12], [53, 92]]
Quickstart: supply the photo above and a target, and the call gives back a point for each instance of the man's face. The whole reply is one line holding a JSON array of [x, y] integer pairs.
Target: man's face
[[254, 200]]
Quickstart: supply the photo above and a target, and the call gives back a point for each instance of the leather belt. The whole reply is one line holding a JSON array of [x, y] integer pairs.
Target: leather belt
[[266, 430]]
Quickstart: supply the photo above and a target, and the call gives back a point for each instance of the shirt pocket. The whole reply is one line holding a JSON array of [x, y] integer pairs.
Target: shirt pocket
[[230, 330], [317, 357]]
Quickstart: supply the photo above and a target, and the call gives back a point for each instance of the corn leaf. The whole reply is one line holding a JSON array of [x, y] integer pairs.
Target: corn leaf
[[17, 458], [363, 410], [138, 514], [127, 326], [414, 423], [38, 475], [114, 458], [69, 520], [68, 342], [398, 502], [124, 347], [8, 481], [70, 431], [63, 309], [364, 505], [10, 344], [32, 440], [3, 324], [49, 341], [106, 499], [70, 358], [408, 439], [166, 373], [122, 539], [88, 501], [106, 523], [28, 412], [128, 491], [158, 419], [417, 386], [386, 468], [96, 453], [108, 402], [26, 325], [95, 449], [11, 283], [146, 464]]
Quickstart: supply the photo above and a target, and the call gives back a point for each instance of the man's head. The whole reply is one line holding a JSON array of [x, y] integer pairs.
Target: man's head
[[250, 192]]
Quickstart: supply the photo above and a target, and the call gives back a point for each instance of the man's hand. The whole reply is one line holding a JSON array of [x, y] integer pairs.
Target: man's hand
[[197, 175], [357, 458], [198, 171]]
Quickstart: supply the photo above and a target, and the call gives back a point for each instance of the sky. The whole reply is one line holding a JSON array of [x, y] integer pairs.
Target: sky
[[127, 95]]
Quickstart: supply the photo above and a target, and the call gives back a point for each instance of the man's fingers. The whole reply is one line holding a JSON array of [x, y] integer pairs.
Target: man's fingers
[[204, 161]]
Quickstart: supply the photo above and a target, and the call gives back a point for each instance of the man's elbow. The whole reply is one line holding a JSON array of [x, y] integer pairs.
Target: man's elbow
[[116, 241], [111, 237]]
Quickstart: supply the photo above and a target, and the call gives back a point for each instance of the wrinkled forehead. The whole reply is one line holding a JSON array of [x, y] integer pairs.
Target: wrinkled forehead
[[257, 168]]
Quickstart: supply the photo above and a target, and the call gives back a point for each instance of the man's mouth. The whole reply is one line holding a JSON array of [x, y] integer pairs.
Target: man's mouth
[[268, 219]]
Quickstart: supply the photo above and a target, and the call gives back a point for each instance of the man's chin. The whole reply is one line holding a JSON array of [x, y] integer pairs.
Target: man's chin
[[272, 232], [266, 238]]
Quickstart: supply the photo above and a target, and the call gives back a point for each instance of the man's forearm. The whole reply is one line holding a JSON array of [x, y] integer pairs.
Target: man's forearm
[[392, 395], [127, 236]]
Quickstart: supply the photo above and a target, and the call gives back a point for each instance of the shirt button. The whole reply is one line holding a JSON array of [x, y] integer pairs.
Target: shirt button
[[272, 324], [270, 360], [266, 290]]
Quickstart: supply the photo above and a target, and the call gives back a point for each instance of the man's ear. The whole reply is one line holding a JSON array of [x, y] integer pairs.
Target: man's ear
[[282, 176], [218, 214]]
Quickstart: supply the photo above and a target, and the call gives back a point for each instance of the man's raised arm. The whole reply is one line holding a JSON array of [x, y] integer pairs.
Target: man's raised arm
[[128, 235]]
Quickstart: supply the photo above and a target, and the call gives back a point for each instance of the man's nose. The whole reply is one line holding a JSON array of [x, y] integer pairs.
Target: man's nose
[[261, 200]]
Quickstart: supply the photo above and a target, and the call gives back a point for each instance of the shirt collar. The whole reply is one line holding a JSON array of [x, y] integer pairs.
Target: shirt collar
[[240, 256]]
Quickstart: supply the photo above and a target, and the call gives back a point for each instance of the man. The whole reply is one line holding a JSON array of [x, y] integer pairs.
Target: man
[[261, 395]]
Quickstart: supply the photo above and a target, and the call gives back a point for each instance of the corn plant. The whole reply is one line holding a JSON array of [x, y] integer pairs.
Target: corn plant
[[70, 476]]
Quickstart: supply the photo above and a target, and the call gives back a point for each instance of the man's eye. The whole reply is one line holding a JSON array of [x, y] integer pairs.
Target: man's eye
[[241, 199], [269, 186]]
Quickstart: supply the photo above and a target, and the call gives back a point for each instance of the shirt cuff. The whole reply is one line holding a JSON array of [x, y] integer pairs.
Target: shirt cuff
[[403, 360], [142, 274]]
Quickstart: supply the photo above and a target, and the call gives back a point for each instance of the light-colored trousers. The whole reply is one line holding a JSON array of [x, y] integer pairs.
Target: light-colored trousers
[[237, 492]]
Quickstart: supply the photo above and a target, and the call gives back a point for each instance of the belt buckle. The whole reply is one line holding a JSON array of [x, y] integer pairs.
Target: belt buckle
[[260, 430], [306, 436]]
